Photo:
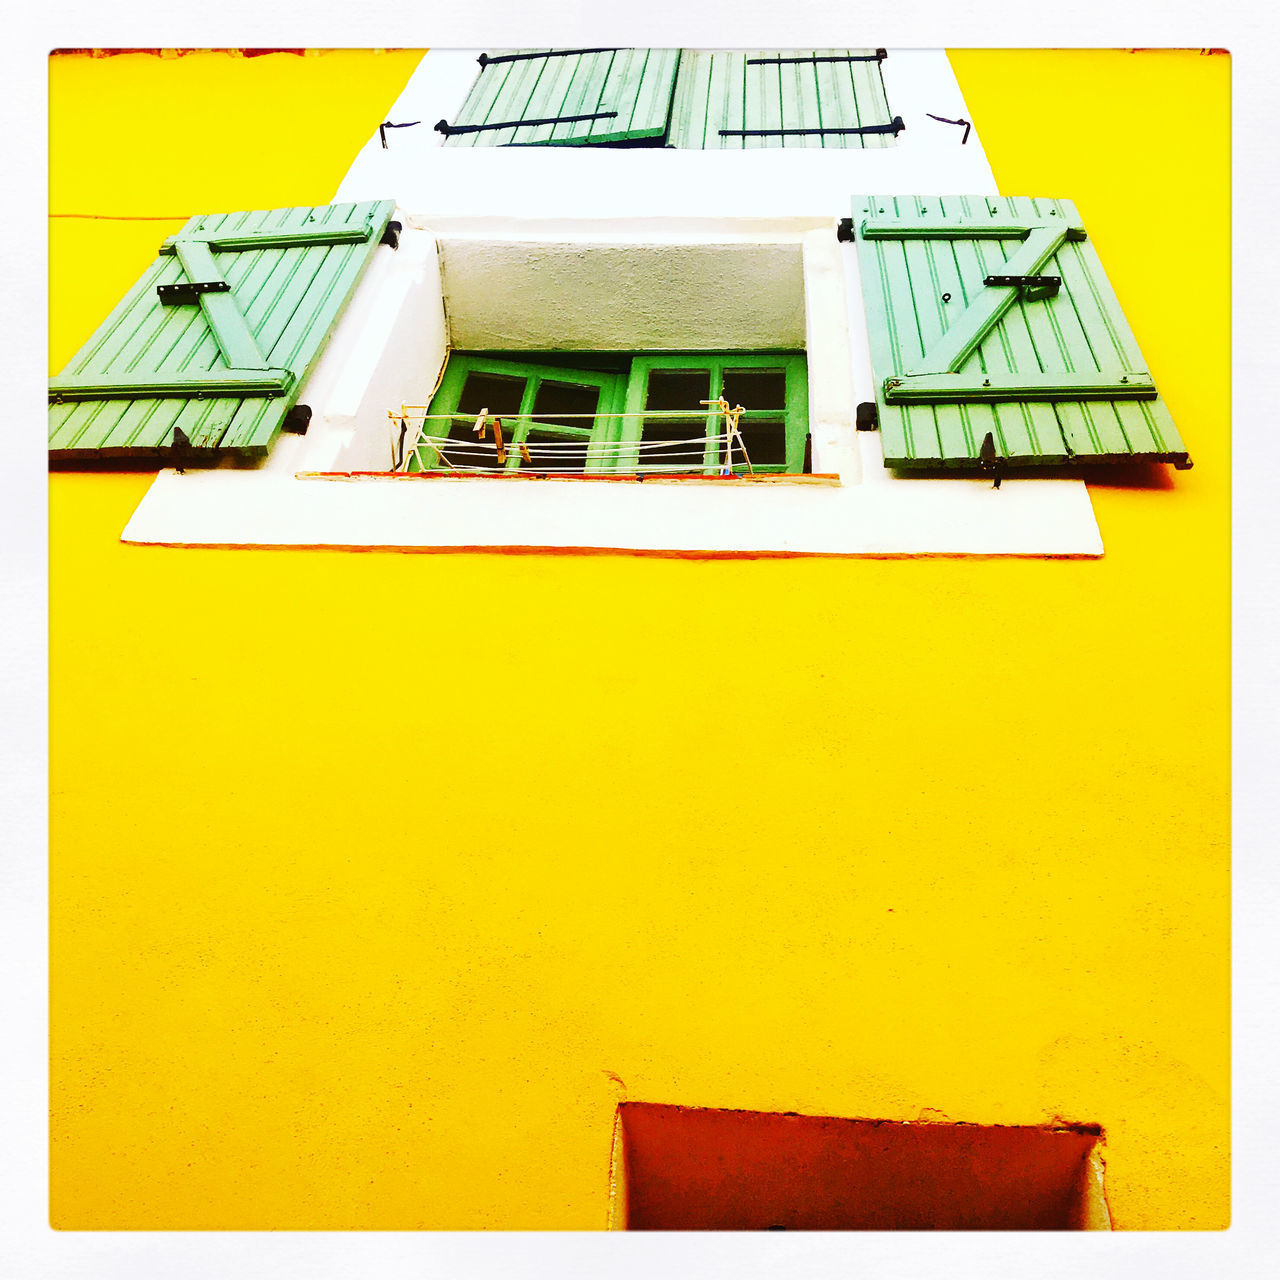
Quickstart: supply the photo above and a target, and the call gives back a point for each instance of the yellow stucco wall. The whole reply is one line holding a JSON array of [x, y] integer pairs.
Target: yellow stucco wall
[[336, 946]]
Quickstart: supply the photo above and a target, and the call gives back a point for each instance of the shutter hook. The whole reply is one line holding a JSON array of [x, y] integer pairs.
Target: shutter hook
[[944, 120]]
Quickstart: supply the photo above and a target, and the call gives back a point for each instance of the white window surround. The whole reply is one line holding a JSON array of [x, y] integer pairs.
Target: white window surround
[[626, 249], [635, 284]]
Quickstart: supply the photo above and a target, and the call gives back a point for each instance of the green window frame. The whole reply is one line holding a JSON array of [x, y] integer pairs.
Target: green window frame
[[792, 415], [522, 427], [613, 439]]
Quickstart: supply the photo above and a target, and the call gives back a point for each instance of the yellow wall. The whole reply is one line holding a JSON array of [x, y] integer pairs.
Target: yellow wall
[[334, 946]]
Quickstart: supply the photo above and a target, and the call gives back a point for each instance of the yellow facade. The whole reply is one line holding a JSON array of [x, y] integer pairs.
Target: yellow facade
[[379, 879]]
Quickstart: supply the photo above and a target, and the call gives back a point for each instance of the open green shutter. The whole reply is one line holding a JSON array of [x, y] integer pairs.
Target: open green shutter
[[993, 316], [567, 97], [217, 337], [781, 98]]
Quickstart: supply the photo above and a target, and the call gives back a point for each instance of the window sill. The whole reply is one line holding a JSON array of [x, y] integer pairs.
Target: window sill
[[824, 480]]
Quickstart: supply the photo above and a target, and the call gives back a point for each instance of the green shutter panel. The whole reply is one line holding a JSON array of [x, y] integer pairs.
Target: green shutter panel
[[993, 316], [217, 337], [782, 98], [567, 97]]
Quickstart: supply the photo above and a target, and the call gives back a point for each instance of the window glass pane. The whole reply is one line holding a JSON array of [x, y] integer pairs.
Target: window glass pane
[[756, 388], [548, 452], [499, 393], [555, 398], [677, 389], [765, 442], [674, 446]]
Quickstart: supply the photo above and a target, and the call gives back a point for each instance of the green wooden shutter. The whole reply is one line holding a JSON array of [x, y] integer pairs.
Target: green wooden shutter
[[993, 316], [781, 98], [217, 337], [567, 97]]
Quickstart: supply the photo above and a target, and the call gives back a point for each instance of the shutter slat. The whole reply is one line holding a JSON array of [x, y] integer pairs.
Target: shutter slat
[[806, 77], [958, 431], [308, 327], [1051, 378], [870, 104], [289, 297]]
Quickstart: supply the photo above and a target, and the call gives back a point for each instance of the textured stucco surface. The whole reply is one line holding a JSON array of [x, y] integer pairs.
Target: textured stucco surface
[[378, 880]]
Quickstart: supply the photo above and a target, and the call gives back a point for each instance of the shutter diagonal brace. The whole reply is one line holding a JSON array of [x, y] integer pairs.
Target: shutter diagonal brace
[[207, 286], [962, 338], [226, 321], [934, 379]]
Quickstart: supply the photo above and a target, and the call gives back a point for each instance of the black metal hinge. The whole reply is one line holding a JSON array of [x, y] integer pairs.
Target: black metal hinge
[[485, 60], [297, 420], [391, 235], [189, 291], [844, 230], [443, 126], [879, 56], [866, 416], [895, 126], [1034, 288]]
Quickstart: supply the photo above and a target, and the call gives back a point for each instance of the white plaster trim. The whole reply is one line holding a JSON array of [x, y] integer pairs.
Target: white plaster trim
[[887, 517]]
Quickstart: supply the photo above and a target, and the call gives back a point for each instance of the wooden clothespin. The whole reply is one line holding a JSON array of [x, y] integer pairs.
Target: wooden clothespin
[[497, 439], [480, 421]]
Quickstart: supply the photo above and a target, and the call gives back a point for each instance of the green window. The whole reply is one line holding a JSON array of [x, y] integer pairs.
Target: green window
[[549, 418], [692, 98], [205, 356], [645, 414], [997, 339], [771, 430]]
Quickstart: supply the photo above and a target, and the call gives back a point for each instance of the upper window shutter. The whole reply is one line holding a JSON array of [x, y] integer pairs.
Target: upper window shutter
[[782, 98], [567, 97], [992, 317], [217, 337]]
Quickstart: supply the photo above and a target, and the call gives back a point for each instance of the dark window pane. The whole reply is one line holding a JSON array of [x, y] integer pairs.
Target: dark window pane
[[555, 398], [756, 388], [554, 453], [471, 453], [677, 389], [499, 393], [683, 443], [766, 443]]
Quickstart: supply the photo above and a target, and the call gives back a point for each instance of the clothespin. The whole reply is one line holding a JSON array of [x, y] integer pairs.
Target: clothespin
[[524, 454], [497, 439], [480, 421]]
